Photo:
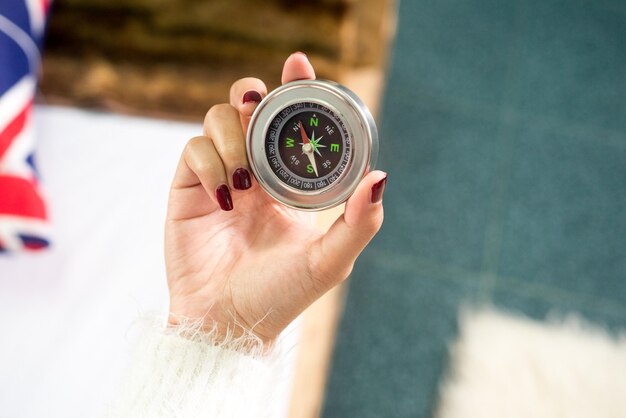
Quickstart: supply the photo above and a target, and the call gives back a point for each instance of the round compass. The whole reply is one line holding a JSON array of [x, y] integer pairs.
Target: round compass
[[310, 142]]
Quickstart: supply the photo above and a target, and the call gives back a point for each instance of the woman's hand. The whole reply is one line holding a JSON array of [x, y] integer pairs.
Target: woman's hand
[[234, 256]]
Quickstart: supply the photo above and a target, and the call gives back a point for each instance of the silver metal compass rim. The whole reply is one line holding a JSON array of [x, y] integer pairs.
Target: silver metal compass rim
[[359, 124]]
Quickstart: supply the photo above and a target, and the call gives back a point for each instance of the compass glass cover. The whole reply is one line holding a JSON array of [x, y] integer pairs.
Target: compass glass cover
[[307, 146]]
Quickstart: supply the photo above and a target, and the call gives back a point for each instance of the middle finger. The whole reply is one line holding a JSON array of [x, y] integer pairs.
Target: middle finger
[[222, 125]]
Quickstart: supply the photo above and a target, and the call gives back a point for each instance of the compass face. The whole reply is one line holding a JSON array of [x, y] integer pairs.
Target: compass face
[[307, 146], [310, 142]]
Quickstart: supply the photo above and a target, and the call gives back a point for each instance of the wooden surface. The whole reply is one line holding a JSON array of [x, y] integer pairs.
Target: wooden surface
[[176, 58]]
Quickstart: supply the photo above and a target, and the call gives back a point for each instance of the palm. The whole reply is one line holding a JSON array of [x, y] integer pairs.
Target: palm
[[219, 253]]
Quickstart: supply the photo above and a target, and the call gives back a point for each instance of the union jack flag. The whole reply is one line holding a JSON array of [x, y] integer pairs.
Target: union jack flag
[[23, 216]]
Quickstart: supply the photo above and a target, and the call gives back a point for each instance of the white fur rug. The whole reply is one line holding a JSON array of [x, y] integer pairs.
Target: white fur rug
[[508, 366]]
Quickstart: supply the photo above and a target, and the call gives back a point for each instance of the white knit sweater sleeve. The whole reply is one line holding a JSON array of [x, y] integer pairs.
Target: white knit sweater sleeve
[[175, 376]]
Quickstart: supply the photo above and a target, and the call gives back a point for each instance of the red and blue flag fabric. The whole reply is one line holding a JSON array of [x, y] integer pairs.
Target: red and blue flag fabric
[[23, 216]]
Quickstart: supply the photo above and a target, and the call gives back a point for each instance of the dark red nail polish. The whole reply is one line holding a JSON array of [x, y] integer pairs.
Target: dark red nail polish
[[223, 197], [252, 96], [241, 179], [378, 189]]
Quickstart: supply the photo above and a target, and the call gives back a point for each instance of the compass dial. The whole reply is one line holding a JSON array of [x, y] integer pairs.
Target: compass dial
[[310, 142], [307, 146]]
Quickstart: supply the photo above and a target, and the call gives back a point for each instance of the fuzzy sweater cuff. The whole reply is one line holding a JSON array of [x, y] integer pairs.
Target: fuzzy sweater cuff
[[184, 372]]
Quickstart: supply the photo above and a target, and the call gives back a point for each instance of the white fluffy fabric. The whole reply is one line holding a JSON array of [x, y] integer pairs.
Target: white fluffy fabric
[[187, 373], [508, 366]]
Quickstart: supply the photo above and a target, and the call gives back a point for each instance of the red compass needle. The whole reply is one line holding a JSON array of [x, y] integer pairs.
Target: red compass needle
[[305, 137]]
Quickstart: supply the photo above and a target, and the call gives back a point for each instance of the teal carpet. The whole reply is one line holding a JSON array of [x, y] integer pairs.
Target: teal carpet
[[504, 134]]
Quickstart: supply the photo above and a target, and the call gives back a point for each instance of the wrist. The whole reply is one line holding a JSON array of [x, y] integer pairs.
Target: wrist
[[208, 331]]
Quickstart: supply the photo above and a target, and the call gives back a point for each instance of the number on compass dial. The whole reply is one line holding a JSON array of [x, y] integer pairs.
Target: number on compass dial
[[307, 146]]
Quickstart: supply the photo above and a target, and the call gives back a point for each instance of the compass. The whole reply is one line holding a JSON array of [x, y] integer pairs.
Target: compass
[[310, 142]]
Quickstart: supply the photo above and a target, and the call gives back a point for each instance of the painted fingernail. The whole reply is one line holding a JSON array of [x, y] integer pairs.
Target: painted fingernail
[[378, 189], [241, 179], [252, 96], [223, 197]]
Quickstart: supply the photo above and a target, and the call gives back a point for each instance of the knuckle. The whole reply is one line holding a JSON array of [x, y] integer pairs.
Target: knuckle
[[248, 83], [369, 224], [368, 227], [374, 218], [195, 155], [203, 169], [372, 226], [219, 111], [193, 144], [377, 220], [231, 148]]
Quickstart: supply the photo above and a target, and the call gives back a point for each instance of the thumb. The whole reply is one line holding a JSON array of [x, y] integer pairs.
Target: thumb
[[338, 249]]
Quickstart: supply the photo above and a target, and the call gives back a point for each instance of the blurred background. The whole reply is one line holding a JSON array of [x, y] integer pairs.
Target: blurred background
[[503, 130]]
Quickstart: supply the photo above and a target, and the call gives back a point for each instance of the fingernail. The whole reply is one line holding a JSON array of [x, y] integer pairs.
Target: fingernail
[[301, 53], [223, 197], [241, 179], [378, 189], [252, 96]]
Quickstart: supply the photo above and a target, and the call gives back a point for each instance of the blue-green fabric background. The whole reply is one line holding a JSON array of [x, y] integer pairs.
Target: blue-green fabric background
[[503, 131]]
